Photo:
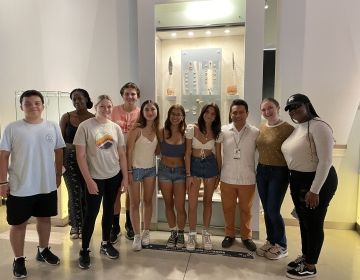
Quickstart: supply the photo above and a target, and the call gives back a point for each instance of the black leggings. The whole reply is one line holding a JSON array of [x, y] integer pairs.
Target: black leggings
[[108, 189], [311, 220]]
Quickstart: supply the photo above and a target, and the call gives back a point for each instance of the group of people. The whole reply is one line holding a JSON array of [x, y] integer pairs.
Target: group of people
[[114, 152]]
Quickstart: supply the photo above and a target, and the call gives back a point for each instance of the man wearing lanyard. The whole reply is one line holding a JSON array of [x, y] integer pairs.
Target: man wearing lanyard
[[238, 173]]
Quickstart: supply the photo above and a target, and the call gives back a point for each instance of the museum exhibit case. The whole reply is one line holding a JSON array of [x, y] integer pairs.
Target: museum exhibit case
[[206, 67], [197, 65], [56, 104]]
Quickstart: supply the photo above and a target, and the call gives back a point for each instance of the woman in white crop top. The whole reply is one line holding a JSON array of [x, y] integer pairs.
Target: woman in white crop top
[[202, 163], [142, 144]]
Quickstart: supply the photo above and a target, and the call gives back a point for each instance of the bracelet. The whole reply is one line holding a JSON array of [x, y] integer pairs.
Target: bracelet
[[4, 183], [130, 171], [188, 175]]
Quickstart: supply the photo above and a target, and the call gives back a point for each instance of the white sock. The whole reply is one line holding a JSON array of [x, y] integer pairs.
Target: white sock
[[15, 258], [41, 249]]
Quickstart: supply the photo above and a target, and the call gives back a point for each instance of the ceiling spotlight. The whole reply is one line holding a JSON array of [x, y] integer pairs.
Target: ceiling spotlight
[[191, 33], [266, 5], [227, 31], [208, 32], [208, 10], [173, 34]]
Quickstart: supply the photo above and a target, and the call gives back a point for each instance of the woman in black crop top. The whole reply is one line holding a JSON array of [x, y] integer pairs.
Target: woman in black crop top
[[74, 181], [171, 173]]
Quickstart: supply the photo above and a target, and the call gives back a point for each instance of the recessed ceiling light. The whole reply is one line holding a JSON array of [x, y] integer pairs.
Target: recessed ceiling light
[[173, 34], [208, 32], [191, 33], [227, 31]]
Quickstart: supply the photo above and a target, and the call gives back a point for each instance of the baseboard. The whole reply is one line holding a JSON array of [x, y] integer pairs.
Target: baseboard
[[357, 228], [327, 224]]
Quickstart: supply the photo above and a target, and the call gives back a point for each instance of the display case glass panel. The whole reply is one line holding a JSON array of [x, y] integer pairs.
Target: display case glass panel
[[56, 104], [199, 70]]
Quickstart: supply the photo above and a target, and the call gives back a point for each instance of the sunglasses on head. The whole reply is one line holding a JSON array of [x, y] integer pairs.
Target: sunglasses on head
[[294, 106]]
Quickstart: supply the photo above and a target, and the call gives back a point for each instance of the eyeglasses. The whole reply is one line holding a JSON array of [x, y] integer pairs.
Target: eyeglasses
[[294, 107]]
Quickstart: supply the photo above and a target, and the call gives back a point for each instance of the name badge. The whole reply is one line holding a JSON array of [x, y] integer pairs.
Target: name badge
[[236, 153]]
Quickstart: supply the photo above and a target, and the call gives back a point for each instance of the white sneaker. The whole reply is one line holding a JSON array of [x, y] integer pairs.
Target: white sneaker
[[206, 240], [145, 238], [276, 252], [136, 246], [191, 244], [263, 249]]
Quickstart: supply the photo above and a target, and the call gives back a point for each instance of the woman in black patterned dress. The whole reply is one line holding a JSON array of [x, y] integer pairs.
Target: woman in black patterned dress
[[74, 181]]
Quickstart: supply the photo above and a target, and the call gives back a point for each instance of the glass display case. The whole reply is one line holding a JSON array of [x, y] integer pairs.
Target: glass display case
[[56, 104], [199, 70], [193, 72]]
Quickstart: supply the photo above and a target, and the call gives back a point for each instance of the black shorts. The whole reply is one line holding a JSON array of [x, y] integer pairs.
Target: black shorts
[[20, 209]]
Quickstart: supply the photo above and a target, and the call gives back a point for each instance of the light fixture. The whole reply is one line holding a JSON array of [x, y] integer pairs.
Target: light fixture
[[211, 9], [266, 5], [208, 32], [173, 34], [227, 31], [190, 33]]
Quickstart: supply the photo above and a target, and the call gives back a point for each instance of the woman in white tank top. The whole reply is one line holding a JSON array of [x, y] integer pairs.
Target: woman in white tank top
[[142, 146]]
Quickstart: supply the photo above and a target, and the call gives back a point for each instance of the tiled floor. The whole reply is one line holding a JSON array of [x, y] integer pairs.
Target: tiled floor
[[340, 259]]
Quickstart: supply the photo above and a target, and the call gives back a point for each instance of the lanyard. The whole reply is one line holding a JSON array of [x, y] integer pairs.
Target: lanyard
[[241, 136]]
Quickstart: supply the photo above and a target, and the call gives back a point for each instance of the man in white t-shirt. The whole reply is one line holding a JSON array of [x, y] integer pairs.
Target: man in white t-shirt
[[31, 144]]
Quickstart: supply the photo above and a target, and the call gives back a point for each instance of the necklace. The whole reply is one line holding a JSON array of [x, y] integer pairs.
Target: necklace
[[206, 135]]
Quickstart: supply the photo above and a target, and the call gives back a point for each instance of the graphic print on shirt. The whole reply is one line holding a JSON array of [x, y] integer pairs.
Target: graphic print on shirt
[[104, 140]]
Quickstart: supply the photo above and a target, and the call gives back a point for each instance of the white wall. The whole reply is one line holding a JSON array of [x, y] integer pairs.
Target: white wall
[[319, 54], [63, 44]]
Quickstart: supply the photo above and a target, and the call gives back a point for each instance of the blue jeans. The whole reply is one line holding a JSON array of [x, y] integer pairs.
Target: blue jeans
[[272, 183]]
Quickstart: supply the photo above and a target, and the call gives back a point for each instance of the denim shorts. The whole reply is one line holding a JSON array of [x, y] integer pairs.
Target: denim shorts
[[204, 167], [140, 173], [171, 174]]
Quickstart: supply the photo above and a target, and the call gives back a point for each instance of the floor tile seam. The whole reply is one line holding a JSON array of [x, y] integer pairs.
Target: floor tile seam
[[187, 266]]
